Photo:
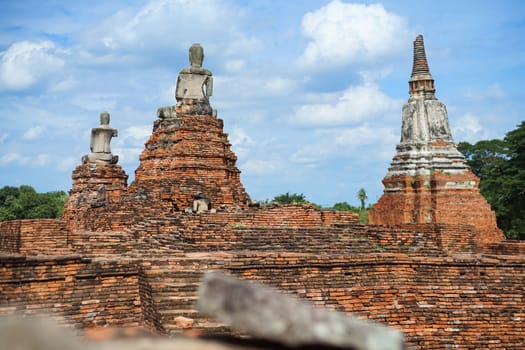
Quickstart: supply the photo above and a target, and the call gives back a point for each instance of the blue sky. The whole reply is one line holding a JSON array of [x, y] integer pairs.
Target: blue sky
[[310, 91]]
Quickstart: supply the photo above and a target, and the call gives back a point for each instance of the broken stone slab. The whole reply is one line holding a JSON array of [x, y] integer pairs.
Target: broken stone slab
[[265, 313]]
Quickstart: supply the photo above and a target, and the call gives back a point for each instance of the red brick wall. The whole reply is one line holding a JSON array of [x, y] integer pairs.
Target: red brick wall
[[438, 302], [34, 237], [78, 290], [10, 236]]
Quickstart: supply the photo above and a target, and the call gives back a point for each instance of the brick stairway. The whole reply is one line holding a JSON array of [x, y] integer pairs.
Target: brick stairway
[[173, 291]]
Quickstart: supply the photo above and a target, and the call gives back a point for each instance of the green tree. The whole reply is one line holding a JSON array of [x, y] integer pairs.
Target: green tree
[[290, 198], [25, 203], [484, 156], [361, 195], [344, 206], [500, 165]]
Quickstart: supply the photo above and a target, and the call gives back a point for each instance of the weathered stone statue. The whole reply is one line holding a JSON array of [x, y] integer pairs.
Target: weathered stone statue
[[100, 139], [195, 84], [201, 203]]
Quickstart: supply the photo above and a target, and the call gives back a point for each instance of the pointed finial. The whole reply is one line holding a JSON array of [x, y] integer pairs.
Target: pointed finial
[[421, 79]]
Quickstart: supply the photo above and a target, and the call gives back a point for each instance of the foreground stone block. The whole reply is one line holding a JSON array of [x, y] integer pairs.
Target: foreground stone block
[[262, 312]]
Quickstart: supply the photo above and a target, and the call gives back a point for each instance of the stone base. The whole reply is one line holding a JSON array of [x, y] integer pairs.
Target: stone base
[[95, 186], [436, 198]]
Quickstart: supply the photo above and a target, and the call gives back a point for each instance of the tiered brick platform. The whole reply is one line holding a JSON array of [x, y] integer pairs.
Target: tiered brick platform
[[187, 155], [440, 292]]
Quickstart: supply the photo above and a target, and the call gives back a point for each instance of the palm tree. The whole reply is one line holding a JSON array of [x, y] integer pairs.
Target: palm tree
[[361, 195]]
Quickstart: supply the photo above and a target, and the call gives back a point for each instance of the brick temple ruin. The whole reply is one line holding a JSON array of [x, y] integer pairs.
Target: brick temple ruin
[[432, 263]]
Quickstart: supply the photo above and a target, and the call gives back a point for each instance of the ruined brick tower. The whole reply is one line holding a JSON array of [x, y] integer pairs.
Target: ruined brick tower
[[188, 155], [428, 180]]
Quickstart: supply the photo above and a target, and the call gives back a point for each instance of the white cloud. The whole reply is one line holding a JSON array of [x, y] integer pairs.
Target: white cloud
[[40, 159], [253, 86], [63, 85], [259, 167], [468, 128], [494, 91], [279, 86], [33, 133], [17, 158], [166, 25], [3, 137], [360, 143], [136, 134], [95, 101], [127, 155], [68, 164], [241, 142], [133, 136], [130, 143], [345, 33], [26, 63], [312, 153], [354, 105], [365, 135], [9, 158], [235, 66]]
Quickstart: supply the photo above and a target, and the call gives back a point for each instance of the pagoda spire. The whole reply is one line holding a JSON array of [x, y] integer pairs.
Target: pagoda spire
[[421, 80]]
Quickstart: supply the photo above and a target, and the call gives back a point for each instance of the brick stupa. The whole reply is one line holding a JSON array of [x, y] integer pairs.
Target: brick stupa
[[188, 155], [428, 180]]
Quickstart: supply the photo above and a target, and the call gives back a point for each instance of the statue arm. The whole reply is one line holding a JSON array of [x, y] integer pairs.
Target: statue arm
[[209, 86], [92, 141]]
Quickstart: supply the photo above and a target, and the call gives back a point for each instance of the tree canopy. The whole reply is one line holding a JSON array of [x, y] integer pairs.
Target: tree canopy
[[25, 203], [500, 165], [290, 198]]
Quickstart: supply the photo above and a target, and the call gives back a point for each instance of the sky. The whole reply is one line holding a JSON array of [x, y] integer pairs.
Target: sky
[[310, 92]]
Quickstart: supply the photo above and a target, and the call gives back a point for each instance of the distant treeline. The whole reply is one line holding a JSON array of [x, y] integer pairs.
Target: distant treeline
[[25, 203]]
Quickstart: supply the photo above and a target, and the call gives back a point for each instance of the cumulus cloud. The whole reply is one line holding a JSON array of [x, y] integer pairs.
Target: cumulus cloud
[[365, 135], [345, 33], [130, 143], [136, 134], [241, 142], [19, 159], [95, 101], [253, 86], [259, 167], [354, 105], [165, 25], [26, 63], [468, 128], [68, 163], [127, 155], [63, 85], [33, 133], [358, 142], [494, 91]]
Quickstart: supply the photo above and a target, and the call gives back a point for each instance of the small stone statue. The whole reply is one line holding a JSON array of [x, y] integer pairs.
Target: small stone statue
[[195, 83], [99, 145], [201, 203]]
